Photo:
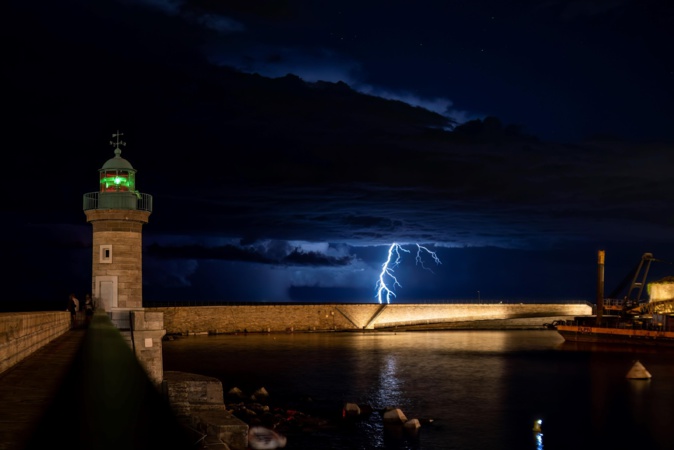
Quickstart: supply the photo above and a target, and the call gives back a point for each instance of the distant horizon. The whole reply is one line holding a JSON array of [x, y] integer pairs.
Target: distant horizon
[[53, 305], [504, 279]]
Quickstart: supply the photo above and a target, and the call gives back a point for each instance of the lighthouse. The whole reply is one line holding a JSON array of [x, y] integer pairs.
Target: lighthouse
[[117, 213]]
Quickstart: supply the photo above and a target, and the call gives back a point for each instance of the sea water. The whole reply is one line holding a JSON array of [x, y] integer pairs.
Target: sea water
[[470, 389]]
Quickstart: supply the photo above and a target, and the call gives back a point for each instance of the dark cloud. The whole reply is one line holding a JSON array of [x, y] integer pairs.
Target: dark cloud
[[229, 252], [287, 145], [260, 254]]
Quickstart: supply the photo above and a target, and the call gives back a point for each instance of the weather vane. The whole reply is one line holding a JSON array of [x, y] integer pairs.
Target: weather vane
[[116, 143]]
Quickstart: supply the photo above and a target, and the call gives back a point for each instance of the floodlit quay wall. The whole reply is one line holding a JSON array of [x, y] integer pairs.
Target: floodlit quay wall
[[661, 291], [22, 333], [344, 317]]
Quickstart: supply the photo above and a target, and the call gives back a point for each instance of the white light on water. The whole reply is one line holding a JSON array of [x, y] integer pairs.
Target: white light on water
[[538, 434]]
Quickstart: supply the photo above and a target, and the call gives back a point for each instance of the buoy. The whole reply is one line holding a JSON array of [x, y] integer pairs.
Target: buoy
[[638, 372], [537, 426]]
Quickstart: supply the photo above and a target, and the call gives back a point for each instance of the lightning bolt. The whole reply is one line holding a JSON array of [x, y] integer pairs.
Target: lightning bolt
[[387, 279], [419, 260]]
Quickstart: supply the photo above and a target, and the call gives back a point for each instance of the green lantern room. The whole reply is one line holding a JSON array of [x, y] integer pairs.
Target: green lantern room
[[115, 177], [117, 184]]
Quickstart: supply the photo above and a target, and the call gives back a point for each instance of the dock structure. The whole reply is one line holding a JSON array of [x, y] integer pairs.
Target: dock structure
[[87, 388], [83, 390], [309, 317]]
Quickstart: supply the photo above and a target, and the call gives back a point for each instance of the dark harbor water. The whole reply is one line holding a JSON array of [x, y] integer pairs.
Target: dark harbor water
[[482, 389]]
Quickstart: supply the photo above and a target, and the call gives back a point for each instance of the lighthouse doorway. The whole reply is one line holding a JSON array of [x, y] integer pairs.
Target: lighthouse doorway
[[106, 292]]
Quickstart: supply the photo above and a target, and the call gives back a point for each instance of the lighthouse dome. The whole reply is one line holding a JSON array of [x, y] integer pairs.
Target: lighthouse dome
[[117, 162]]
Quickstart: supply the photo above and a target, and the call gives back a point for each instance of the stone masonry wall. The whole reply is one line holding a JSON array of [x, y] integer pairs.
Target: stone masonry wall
[[121, 229], [340, 317], [127, 265], [23, 333], [148, 331]]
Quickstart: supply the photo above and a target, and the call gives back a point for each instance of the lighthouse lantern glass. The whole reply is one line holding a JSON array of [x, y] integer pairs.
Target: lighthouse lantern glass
[[116, 180]]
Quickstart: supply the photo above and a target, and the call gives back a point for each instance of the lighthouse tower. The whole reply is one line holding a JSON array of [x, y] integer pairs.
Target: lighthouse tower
[[117, 213]]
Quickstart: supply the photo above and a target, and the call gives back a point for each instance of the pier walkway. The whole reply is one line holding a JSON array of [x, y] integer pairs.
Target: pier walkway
[[27, 388], [85, 390]]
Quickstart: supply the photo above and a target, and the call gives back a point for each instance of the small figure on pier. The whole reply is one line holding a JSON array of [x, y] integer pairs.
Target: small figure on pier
[[73, 306], [88, 308]]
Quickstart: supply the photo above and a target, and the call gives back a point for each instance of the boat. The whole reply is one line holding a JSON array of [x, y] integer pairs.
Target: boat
[[627, 321]]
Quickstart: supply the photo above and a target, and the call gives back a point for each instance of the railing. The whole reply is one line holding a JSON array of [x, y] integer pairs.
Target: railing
[[143, 202]]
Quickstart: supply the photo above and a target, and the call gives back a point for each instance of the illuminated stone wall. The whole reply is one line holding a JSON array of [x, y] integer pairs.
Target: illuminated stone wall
[[23, 333], [660, 291], [146, 342], [340, 317], [121, 230]]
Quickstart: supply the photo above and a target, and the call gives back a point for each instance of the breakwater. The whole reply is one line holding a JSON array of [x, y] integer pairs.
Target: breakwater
[[362, 316], [23, 333]]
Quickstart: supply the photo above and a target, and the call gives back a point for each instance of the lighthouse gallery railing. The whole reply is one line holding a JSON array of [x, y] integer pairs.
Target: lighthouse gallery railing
[[143, 202]]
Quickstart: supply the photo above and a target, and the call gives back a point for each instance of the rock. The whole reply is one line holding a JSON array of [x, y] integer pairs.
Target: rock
[[351, 410], [394, 416], [412, 427], [235, 394], [260, 395], [260, 438]]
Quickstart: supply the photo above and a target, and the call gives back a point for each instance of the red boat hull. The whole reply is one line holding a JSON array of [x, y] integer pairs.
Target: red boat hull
[[624, 336]]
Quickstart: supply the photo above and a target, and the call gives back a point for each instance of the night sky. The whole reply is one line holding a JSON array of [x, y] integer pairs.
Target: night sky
[[288, 144]]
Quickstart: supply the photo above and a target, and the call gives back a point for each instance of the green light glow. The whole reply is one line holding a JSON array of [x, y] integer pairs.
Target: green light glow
[[116, 180]]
